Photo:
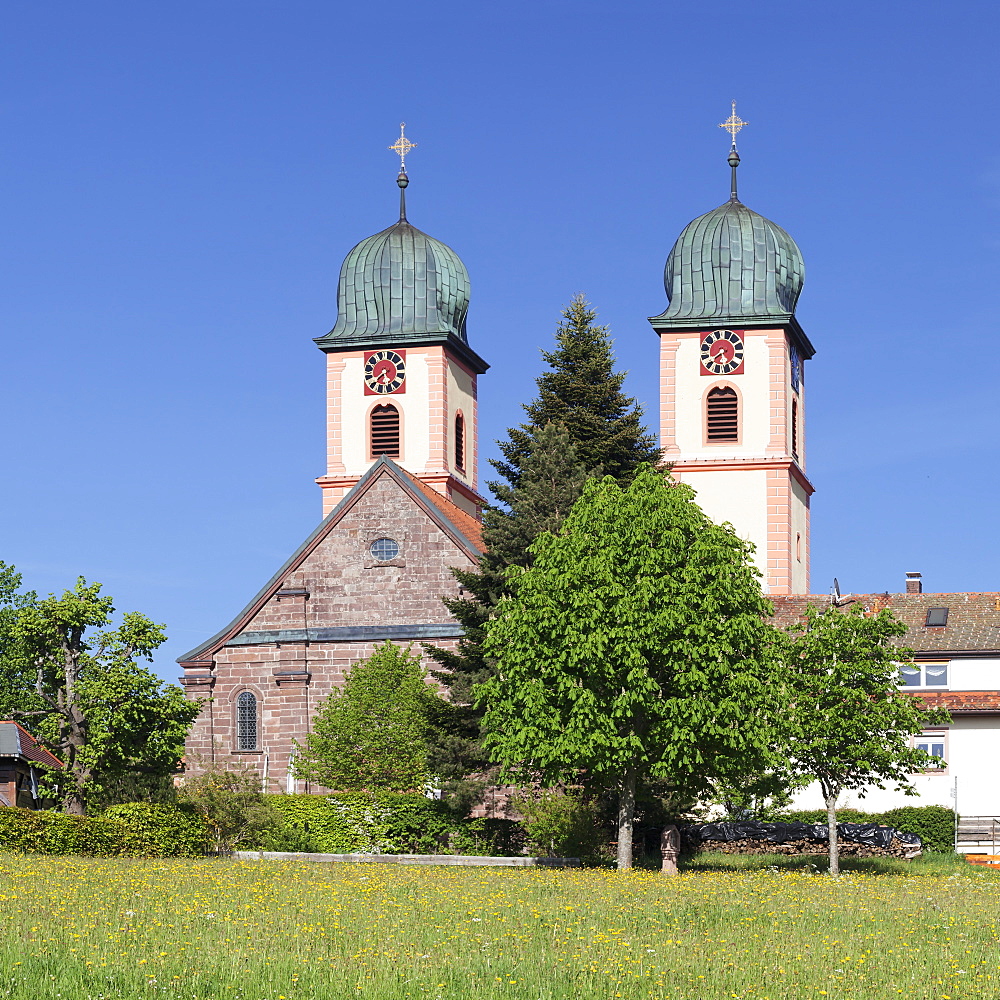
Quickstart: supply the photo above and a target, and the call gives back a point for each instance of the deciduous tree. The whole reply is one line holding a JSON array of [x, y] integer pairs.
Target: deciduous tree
[[376, 732], [102, 713], [849, 724], [636, 645]]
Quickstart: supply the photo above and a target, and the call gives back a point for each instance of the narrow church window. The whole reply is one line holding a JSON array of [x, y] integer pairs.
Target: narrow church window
[[723, 414], [459, 441], [795, 428], [385, 431], [246, 721]]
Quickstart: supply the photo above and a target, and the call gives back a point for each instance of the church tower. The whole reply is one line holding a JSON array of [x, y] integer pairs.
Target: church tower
[[732, 386], [401, 377]]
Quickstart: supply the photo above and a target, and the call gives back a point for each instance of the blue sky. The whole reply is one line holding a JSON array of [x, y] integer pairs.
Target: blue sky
[[181, 181]]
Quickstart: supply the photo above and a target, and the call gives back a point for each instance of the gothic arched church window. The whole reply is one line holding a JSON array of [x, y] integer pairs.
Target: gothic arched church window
[[384, 431], [722, 414], [246, 721]]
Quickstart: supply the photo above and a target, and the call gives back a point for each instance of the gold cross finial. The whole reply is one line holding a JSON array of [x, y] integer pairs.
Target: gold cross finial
[[402, 146], [733, 124]]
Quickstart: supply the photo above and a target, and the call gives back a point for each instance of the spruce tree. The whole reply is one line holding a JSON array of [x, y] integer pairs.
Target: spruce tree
[[580, 425]]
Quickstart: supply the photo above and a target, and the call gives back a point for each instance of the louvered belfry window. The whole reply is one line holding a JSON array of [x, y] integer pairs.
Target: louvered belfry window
[[459, 441], [723, 415], [385, 431], [795, 428], [246, 721]]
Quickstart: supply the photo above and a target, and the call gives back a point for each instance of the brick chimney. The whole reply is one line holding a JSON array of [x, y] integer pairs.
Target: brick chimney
[[914, 585]]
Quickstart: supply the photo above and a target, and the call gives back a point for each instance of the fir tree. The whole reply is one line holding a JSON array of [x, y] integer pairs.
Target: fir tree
[[583, 392], [581, 424]]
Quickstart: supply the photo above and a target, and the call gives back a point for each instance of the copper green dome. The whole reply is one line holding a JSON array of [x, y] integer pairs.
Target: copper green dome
[[732, 265], [401, 287]]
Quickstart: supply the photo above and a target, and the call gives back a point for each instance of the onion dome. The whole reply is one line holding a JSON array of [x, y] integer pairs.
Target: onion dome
[[401, 287], [732, 266]]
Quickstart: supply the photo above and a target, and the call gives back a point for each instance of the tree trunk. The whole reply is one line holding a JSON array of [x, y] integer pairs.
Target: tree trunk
[[626, 814], [831, 824]]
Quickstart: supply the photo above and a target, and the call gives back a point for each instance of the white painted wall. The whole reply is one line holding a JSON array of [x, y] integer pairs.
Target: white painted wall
[[755, 406], [462, 396], [800, 566], [413, 406], [972, 752], [735, 495], [974, 675]]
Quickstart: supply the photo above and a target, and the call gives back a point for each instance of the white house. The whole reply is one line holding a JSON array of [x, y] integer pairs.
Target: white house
[[956, 642]]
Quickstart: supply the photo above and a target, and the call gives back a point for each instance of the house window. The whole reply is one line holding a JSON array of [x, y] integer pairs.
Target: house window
[[722, 415], [935, 744], [924, 675], [937, 616], [384, 431], [246, 721], [459, 441]]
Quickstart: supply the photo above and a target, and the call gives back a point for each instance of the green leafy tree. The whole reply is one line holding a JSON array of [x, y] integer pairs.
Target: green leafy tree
[[376, 732], [16, 674], [101, 713], [580, 425], [635, 646], [850, 726]]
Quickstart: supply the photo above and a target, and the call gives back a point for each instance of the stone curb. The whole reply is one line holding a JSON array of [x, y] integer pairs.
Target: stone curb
[[411, 859]]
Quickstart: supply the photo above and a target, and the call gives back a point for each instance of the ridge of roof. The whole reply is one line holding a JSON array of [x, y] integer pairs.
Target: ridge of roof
[[382, 466]]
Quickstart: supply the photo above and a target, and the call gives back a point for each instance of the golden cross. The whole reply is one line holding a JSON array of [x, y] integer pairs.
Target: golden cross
[[733, 124], [402, 146]]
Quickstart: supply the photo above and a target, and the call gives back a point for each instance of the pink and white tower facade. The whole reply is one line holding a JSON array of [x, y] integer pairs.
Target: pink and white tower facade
[[401, 376], [732, 383]]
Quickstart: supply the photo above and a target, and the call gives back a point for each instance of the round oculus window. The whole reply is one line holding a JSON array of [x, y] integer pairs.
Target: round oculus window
[[384, 549]]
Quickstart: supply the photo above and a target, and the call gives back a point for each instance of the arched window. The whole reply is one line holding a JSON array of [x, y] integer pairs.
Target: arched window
[[384, 431], [246, 721], [795, 428], [722, 415], [459, 441]]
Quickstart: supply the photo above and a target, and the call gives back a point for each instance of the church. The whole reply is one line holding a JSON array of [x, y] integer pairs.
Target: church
[[400, 493]]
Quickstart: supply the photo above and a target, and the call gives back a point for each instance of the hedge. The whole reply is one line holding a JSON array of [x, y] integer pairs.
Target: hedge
[[137, 829], [934, 825], [387, 823]]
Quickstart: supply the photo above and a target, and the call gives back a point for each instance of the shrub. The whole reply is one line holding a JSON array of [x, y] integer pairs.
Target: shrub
[[560, 823], [232, 806], [159, 830], [934, 825]]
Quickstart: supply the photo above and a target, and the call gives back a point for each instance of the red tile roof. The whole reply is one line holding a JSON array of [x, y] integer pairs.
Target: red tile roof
[[960, 702], [16, 741], [973, 619], [470, 526]]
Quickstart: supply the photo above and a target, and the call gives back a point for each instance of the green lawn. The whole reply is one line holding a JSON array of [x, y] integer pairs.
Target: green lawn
[[725, 928]]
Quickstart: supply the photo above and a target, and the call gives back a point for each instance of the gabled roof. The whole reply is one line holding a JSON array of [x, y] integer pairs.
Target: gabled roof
[[16, 741], [462, 528], [973, 627]]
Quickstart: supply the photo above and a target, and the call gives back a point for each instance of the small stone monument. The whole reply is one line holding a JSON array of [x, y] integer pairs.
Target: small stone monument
[[670, 847]]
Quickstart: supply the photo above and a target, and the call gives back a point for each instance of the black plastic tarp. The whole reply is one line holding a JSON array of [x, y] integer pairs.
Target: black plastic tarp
[[781, 833]]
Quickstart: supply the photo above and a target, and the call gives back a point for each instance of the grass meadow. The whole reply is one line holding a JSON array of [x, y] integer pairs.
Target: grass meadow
[[725, 928]]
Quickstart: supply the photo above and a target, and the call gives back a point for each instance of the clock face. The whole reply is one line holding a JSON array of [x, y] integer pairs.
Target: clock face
[[385, 372], [796, 365], [722, 353]]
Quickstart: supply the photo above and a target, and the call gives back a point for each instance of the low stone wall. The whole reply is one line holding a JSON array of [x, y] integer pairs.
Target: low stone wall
[[412, 859]]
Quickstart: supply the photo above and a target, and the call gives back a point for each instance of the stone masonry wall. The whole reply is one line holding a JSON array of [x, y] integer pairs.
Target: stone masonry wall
[[346, 586]]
